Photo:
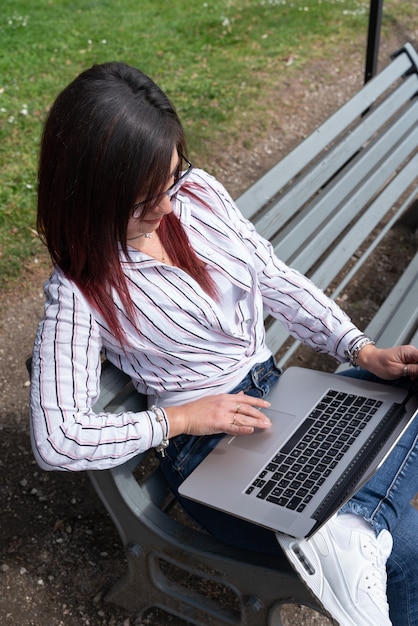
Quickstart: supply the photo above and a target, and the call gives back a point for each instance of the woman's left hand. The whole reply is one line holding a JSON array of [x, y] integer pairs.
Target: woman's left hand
[[389, 363]]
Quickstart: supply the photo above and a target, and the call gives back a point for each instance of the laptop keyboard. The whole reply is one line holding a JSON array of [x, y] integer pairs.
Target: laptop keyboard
[[296, 472]]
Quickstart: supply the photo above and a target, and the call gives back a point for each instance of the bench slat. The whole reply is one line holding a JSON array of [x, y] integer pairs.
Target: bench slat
[[112, 381], [395, 322], [414, 338]]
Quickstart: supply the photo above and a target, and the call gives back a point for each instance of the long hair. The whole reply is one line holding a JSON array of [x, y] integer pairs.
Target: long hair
[[108, 139]]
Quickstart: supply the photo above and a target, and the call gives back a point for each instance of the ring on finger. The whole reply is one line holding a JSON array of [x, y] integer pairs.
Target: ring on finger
[[233, 420], [238, 408], [405, 371]]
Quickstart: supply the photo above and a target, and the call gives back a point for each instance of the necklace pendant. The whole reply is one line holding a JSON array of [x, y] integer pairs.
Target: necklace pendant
[[147, 235]]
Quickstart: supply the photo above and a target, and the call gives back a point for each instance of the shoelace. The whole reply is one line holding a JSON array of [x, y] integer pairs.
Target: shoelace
[[376, 578]]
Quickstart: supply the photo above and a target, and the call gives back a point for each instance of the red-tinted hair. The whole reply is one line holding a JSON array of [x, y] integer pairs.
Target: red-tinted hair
[[108, 139]]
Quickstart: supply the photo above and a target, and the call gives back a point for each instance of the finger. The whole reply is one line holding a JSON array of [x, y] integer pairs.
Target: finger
[[410, 370], [236, 428], [257, 420], [244, 409], [247, 411], [244, 414], [241, 398]]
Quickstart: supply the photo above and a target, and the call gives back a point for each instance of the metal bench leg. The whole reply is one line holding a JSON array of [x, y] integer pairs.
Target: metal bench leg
[[187, 573]]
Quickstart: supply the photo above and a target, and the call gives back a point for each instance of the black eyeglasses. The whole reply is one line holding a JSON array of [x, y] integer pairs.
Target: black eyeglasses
[[173, 189]]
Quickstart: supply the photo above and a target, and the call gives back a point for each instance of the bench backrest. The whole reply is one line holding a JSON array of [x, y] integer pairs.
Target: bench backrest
[[356, 173]]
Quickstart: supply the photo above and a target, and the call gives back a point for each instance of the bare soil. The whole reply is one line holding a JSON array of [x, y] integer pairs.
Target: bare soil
[[59, 550]]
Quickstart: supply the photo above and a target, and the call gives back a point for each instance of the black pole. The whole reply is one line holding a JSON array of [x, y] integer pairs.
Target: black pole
[[373, 38]]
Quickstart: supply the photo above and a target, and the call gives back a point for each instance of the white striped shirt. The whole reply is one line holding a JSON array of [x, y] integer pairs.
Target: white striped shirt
[[182, 345]]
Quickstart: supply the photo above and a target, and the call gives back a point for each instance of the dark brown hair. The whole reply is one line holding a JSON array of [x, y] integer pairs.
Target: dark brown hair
[[108, 139]]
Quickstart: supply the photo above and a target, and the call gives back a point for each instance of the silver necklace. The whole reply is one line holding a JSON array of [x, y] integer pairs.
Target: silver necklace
[[146, 235]]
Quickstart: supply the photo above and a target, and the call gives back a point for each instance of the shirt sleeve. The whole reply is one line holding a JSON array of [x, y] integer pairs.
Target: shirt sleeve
[[306, 311], [66, 432]]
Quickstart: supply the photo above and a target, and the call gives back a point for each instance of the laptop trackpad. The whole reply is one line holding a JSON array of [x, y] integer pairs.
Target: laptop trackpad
[[261, 440]]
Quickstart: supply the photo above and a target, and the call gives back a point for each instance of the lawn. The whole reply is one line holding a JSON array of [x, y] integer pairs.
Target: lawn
[[214, 60]]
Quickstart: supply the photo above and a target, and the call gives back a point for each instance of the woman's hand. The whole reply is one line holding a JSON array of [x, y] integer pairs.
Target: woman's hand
[[235, 414], [389, 363]]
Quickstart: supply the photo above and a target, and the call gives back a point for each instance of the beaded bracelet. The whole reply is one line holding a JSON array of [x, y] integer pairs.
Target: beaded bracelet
[[161, 418], [354, 348]]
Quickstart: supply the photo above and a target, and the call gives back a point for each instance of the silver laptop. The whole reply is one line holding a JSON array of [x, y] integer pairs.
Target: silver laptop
[[329, 434]]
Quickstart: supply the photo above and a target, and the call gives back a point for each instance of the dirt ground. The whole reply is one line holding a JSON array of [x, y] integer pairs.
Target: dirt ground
[[59, 550]]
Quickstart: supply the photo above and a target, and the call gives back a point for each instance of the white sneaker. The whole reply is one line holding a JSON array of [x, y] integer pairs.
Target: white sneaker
[[345, 568]]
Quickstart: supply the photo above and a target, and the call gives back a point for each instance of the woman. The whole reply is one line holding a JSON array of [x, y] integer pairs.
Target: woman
[[156, 269]]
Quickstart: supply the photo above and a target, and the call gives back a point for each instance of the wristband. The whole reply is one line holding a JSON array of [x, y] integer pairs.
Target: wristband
[[354, 348], [161, 418]]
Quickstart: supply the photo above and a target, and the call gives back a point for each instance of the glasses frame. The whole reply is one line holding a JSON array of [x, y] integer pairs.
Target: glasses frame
[[172, 190]]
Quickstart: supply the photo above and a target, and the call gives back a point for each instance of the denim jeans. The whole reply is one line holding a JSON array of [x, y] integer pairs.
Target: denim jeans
[[385, 500]]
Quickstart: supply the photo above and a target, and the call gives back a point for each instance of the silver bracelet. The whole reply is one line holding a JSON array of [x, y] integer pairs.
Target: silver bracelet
[[161, 418], [354, 348]]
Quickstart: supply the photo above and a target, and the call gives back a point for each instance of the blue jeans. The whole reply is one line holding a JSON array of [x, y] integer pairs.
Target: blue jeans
[[385, 500]]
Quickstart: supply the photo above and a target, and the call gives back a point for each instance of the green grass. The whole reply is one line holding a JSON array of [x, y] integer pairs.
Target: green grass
[[214, 60]]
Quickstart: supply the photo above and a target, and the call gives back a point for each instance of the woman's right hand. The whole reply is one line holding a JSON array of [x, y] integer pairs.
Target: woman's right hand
[[235, 414]]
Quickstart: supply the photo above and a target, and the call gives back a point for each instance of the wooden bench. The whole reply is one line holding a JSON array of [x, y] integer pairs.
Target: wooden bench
[[325, 207]]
